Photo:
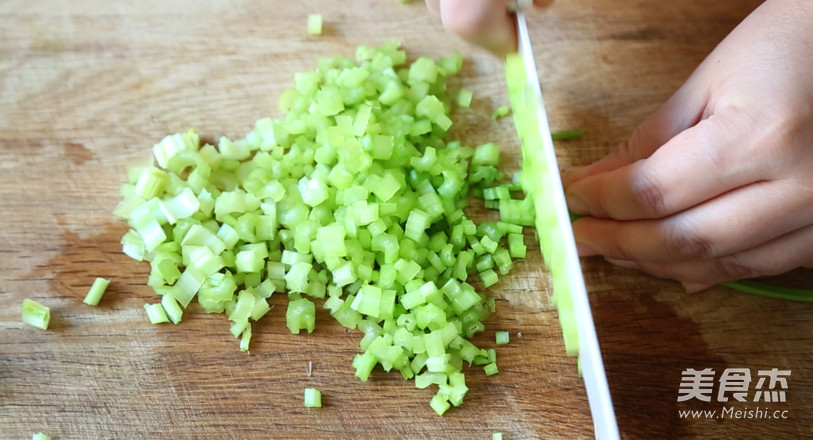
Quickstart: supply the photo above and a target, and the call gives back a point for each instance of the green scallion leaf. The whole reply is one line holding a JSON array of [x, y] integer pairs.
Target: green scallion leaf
[[565, 135], [770, 291]]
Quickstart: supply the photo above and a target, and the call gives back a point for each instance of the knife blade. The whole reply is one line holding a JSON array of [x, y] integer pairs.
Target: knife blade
[[541, 181]]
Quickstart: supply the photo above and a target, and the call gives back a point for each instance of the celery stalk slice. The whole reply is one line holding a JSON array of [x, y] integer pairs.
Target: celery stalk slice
[[542, 182], [313, 398], [96, 291], [315, 24], [36, 314]]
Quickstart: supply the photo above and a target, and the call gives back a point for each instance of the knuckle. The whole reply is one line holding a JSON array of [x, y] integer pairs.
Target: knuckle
[[686, 242], [649, 194], [618, 250], [733, 267]]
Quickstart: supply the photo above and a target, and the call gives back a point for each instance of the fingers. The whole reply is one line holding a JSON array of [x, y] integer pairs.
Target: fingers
[[683, 110], [487, 23], [700, 163], [727, 224], [772, 258]]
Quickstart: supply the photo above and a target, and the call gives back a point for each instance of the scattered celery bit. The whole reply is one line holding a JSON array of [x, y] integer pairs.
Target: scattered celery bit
[[501, 112], [313, 398], [565, 135], [496, 436], [40, 436], [491, 369], [464, 97], [96, 291], [501, 337], [315, 24], [36, 314]]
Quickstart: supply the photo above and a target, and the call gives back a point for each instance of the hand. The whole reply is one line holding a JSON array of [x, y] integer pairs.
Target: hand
[[717, 184], [487, 23]]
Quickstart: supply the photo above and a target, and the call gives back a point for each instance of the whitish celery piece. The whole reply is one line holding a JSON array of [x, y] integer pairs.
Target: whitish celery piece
[[36, 314]]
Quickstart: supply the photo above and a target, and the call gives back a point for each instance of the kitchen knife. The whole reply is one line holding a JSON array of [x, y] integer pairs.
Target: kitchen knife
[[542, 183]]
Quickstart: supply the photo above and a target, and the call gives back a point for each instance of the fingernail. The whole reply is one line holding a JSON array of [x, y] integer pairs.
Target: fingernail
[[575, 204], [695, 287], [586, 250]]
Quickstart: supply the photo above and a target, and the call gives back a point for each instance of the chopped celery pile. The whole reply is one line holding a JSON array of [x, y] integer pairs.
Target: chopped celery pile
[[354, 199]]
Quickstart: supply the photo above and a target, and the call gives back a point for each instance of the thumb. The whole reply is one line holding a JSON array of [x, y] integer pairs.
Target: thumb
[[486, 23]]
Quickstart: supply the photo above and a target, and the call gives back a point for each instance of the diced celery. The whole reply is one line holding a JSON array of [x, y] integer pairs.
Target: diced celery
[[500, 112], [156, 313], [172, 309], [315, 24], [36, 314], [464, 97], [355, 195], [313, 398], [501, 337], [96, 291], [301, 315]]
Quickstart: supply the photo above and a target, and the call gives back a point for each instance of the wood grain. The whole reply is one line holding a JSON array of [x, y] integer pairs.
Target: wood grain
[[87, 87]]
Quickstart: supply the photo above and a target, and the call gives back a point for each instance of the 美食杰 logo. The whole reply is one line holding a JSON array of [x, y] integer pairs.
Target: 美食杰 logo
[[733, 386]]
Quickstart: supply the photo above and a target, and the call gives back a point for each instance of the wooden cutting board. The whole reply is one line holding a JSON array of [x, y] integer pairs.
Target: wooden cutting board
[[87, 87]]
